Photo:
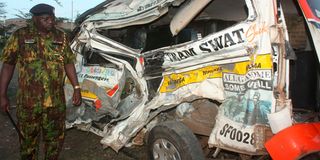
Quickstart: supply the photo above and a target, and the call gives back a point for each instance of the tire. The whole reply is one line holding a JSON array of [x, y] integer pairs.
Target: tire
[[172, 140]]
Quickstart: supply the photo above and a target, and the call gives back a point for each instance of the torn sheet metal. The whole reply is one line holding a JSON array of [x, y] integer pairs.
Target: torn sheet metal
[[248, 101], [121, 13], [231, 45], [242, 86], [242, 90], [100, 88], [233, 66], [242, 120], [120, 9]]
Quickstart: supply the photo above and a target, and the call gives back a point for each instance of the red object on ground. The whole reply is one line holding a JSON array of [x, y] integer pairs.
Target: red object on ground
[[295, 141]]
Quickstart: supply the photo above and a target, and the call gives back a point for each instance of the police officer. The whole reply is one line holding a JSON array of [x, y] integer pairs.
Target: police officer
[[43, 56]]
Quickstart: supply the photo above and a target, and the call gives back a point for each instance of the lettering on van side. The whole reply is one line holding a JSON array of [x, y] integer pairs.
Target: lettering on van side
[[253, 79], [236, 134], [211, 45]]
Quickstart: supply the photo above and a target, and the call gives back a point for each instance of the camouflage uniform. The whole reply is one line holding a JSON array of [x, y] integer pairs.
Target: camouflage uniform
[[40, 97]]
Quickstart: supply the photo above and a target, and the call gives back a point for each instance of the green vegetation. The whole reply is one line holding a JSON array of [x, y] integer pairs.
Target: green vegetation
[[2, 11]]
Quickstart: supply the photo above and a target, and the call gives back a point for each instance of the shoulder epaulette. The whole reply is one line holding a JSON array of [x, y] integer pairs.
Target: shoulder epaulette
[[20, 28]]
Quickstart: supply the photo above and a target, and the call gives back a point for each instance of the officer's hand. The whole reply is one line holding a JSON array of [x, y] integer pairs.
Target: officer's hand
[[4, 103], [76, 98]]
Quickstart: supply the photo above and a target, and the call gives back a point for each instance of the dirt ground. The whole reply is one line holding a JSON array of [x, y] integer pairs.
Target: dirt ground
[[78, 145]]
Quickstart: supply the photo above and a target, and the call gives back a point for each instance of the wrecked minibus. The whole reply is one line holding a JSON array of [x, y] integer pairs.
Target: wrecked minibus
[[187, 78]]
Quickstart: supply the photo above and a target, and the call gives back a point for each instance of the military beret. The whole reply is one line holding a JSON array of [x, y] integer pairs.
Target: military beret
[[41, 9]]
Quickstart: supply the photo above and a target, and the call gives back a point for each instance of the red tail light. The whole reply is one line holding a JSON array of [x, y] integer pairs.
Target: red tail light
[[141, 60]]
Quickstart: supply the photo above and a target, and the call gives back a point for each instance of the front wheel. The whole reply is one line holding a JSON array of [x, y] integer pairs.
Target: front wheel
[[172, 140]]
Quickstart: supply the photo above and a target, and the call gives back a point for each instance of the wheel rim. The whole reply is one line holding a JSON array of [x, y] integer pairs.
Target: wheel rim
[[165, 150]]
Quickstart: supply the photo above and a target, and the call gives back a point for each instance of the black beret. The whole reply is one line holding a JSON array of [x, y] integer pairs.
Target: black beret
[[41, 9]]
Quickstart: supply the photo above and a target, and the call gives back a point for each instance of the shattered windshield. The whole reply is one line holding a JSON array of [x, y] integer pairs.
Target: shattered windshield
[[213, 18]]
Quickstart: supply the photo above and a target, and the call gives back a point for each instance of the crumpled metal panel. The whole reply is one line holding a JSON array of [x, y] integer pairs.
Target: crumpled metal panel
[[121, 13], [233, 66], [121, 9]]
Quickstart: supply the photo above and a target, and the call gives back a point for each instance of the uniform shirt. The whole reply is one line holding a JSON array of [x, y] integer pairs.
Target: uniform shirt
[[40, 62]]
